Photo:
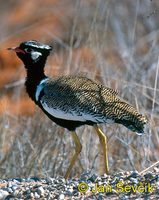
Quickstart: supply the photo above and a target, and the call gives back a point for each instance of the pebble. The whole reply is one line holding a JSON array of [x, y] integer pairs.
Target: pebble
[[60, 189], [156, 169], [93, 178], [36, 195], [148, 175], [14, 187], [134, 180], [3, 194], [9, 190], [134, 174], [41, 191], [61, 197]]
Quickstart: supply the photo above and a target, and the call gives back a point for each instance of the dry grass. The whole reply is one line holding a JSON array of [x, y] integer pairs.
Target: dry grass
[[114, 42]]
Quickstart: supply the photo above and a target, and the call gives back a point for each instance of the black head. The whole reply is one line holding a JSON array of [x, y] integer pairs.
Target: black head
[[32, 52]]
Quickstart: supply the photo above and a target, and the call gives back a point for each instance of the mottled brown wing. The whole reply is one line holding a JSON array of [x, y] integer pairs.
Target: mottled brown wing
[[76, 98]]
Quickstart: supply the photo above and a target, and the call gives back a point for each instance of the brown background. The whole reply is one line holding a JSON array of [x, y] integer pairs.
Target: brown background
[[113, 42]]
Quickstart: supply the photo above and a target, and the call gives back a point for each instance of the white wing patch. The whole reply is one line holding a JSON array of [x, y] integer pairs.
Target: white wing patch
[[72, 115], [39, 88]]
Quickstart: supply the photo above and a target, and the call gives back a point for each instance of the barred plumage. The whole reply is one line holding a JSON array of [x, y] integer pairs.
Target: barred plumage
[[72, 101], [87, 100]]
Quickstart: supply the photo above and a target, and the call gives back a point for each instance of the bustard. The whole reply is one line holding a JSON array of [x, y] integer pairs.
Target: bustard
[[73, 101]]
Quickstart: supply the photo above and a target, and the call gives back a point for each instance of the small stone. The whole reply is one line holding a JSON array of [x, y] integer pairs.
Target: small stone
[[156, 169], [17, 180], [119, 174], [114, 191], [85, 175], [31, 195], [3, 194], [36, 195], [127, 173], [134, 174], [134, 180], [10, 197], [27, 191], [148, 175], [15, 193], [50, 180], [61, 197], [105, 175], [93, 178], [10, 184], [9, 190], [14, 187], [41, 190], [123, 196]]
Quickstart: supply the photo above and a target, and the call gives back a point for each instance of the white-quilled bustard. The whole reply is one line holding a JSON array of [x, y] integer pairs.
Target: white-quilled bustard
[[73, 101]]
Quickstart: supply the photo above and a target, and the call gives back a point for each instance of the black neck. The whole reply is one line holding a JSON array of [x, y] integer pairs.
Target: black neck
[[35, 74]]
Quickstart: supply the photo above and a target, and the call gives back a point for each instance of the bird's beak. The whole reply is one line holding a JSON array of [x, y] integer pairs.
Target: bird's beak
[[17, 50]]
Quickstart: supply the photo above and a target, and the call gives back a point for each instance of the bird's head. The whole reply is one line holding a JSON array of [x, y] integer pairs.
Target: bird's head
[[32, 52]]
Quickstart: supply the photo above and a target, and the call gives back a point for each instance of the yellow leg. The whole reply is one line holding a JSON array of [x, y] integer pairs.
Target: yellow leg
[[78, 148], [103, 142]]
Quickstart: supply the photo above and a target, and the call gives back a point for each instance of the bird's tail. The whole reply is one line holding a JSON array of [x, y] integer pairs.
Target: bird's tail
[[128, 116]]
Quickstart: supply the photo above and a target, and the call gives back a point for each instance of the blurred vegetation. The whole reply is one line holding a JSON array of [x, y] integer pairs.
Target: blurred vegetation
[[113, 42]]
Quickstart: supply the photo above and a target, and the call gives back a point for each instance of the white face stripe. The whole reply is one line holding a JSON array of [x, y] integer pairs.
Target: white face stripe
[[39, 88], [35, 55]]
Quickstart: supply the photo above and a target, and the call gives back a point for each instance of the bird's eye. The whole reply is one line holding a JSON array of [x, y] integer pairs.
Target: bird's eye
[[28, 50]]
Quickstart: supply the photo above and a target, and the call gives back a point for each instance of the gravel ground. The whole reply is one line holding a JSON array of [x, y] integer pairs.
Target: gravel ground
[[123, 185]]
